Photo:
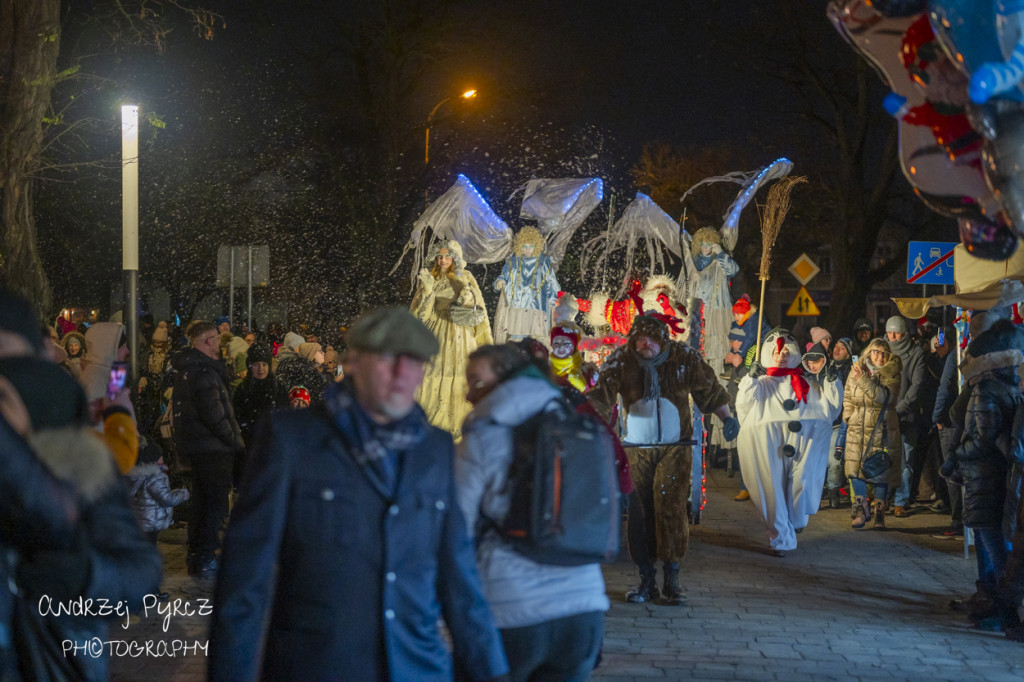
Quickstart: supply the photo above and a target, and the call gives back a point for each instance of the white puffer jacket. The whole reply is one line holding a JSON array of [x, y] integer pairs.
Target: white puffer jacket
[[521, 592]]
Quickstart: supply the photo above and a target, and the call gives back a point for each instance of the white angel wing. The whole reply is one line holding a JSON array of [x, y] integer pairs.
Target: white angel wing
[[751, 181], [464, 215], [560, 206], [642, 224]]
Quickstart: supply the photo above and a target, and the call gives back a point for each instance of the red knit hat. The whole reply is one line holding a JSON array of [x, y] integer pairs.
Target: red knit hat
[[569, 330], [741, 306]]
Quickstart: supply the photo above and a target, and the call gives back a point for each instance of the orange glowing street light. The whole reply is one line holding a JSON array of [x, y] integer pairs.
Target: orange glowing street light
[[467, 95]]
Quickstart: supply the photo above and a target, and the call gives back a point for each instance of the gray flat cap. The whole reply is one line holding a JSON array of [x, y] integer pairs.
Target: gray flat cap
[[392, 330]]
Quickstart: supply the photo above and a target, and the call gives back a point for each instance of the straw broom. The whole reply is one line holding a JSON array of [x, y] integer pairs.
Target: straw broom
[[775, 210]]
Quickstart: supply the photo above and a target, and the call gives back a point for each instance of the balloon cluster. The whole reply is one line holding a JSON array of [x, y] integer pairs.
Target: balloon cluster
[[956, 70]]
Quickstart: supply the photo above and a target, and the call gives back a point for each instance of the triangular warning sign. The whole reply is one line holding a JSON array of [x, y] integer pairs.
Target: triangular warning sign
[[803, 305]]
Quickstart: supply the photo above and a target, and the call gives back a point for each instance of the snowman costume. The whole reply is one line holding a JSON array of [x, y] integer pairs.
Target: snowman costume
[[786, 420]]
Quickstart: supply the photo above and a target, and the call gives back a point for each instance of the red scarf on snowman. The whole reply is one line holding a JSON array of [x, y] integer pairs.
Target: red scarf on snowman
[[795, 374]]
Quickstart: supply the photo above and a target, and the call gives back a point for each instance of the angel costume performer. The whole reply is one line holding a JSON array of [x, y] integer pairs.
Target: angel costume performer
[[786, 427], [529, 290], [449, 302], [714, 270]]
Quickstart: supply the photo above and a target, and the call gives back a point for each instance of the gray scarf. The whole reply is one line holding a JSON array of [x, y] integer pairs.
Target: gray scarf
[[652, 385]]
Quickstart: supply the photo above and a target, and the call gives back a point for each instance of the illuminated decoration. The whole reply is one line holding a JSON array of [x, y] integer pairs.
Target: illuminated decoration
[[560, 206], [699, 432], [464, 215]]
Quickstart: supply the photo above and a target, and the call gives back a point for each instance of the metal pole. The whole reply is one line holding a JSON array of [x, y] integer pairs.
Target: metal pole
[[249, 308], [231, 289], [130, 230]]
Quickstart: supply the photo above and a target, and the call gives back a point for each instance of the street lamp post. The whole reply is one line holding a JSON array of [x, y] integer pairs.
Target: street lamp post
[[130, 228], [468, 94]]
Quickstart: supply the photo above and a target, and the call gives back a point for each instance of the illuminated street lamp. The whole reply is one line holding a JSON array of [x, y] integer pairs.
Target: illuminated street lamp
[[467, 95], [130, 227]]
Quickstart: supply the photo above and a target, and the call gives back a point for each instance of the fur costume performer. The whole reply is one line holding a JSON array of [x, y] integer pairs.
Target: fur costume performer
[[451, 305], [529, 290], [655, 383], [786, 418]]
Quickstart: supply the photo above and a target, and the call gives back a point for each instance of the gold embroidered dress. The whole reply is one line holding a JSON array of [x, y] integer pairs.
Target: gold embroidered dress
[[443, 392]]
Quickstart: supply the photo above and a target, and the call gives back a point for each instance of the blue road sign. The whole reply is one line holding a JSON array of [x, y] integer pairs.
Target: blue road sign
[[930, 262]]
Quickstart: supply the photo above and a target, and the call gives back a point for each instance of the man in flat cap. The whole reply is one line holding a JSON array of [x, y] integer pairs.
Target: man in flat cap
[[353, 502]]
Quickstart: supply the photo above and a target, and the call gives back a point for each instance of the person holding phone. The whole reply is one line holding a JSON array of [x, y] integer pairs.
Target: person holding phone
[[103, 378]]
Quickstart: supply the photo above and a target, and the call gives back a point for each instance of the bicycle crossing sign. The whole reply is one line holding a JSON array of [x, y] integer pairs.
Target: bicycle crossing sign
[[930, 262]]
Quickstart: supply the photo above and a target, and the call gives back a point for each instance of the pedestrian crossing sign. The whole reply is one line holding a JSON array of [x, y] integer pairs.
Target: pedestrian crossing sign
[[803, 305]]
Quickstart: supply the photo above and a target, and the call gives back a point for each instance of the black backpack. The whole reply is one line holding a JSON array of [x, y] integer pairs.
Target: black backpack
[[563, 489]]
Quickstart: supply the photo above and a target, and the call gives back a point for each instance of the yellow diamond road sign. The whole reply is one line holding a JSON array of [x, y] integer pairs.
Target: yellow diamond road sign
[[803, 305], [804, 269]]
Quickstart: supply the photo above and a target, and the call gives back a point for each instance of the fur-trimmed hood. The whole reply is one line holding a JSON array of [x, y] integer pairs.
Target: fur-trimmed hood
[[78, 456], [975, 368]]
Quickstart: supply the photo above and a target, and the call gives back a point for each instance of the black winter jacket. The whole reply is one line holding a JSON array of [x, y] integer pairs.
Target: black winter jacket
[[253, 399], [911, 403], [204, 420], [295, 370], [981, 455]]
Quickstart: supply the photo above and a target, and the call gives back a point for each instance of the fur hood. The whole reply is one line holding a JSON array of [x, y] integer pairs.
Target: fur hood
[[985, 364], [78, 456]]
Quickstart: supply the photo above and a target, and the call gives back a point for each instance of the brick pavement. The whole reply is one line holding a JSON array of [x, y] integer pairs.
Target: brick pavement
[[845, 605]]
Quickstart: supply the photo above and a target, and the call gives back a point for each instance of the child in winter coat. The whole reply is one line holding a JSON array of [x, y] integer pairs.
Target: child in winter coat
[[150, 492]]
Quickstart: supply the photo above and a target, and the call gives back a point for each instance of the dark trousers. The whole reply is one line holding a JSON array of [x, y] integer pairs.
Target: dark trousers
[[211, 485], [556, 650]]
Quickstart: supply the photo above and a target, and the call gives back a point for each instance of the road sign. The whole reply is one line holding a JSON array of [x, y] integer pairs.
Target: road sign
[[804, 269], [803, 305], [930, 262]]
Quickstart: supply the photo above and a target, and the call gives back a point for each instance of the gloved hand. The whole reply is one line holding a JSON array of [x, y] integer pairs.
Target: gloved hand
[[716, 249], [756, 369], [426, 280], [839, 454], [731, 428], [951, 472]]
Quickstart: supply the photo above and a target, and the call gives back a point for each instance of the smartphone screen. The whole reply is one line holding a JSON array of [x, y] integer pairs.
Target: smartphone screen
[[942, 337], [118, 373]]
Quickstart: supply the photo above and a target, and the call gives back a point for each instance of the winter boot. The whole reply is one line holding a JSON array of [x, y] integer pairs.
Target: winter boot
[[862, 513], [671, 593], [647, 589], [833, 498], [879, 515]]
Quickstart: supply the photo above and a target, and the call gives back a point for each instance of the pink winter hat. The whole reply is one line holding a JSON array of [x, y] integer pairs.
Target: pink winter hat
[[817, 334]]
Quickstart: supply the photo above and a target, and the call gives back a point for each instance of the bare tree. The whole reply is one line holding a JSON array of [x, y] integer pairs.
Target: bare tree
[[30, 55], [839, 96]]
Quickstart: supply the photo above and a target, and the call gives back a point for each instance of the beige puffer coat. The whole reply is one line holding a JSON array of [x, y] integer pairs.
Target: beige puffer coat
[[862, 402]]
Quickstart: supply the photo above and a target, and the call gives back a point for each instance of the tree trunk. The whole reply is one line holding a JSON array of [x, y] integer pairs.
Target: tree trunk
[[29, 44]]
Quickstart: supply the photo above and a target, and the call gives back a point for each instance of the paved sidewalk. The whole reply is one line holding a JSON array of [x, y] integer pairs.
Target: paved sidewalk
[[845, 605]]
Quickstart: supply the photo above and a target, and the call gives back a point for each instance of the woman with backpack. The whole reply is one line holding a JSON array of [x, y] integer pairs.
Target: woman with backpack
[[551, 617]]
